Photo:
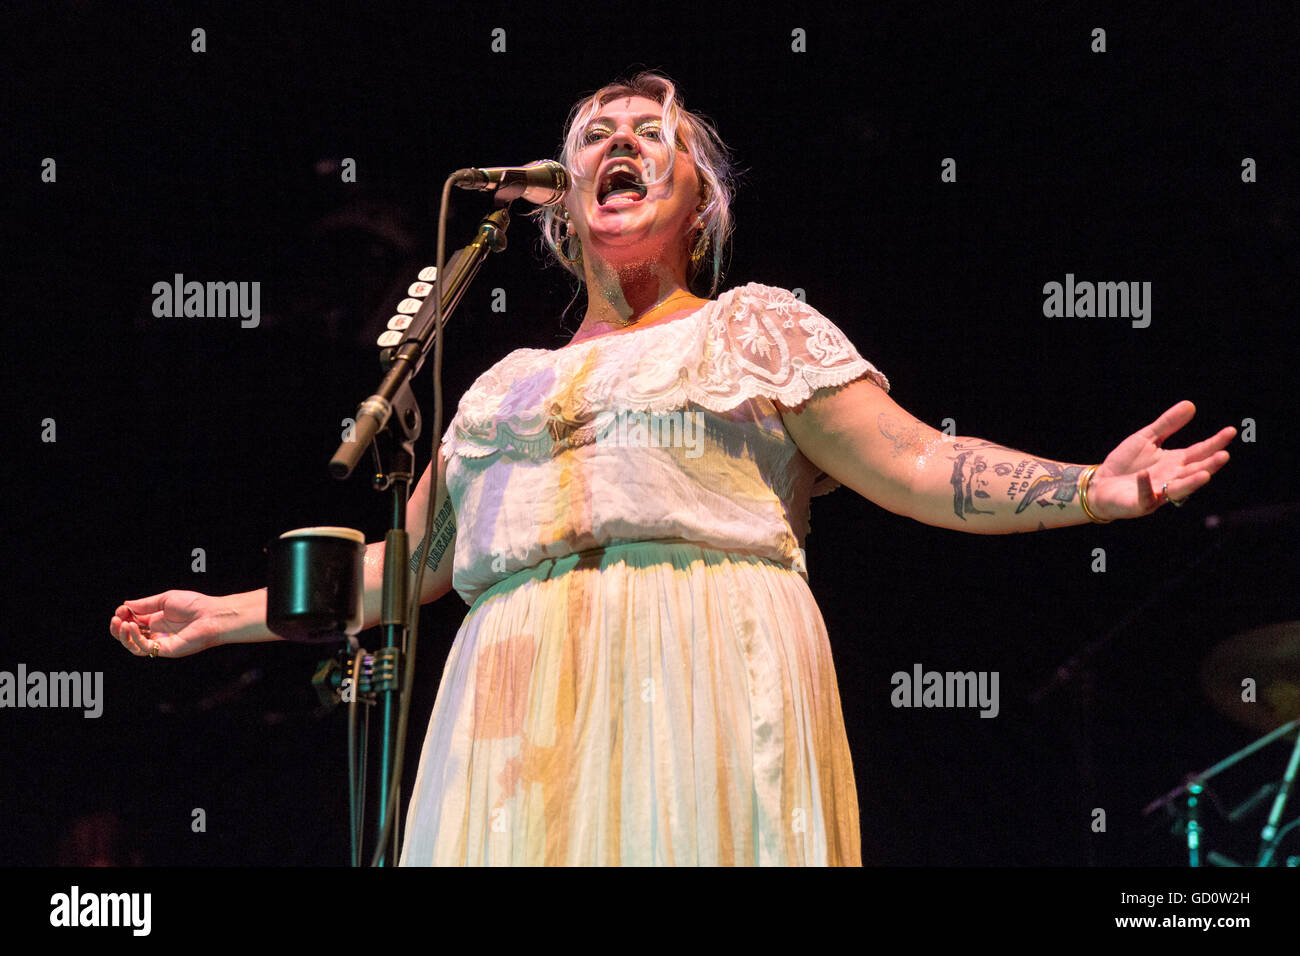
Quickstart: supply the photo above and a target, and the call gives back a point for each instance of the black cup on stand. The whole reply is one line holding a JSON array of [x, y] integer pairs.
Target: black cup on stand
[[316, 584]]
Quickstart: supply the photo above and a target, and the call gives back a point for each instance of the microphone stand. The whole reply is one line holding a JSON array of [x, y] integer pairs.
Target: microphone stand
[[1195, 784], [389, 423], [1270, 836]]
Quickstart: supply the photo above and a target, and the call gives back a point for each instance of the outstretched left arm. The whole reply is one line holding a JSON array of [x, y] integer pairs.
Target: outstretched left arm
[[860, 436]]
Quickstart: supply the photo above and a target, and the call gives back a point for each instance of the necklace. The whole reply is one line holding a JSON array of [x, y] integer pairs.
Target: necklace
[[623, 326], [654, 308]]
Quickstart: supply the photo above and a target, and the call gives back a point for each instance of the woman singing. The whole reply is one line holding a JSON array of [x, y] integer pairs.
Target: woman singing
[[643, 676]]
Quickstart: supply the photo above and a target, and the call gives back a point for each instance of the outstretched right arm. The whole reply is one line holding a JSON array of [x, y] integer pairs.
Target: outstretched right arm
[[179, 623]]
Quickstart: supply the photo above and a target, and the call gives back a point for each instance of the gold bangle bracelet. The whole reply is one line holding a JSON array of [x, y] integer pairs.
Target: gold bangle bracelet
[[1084, 480]]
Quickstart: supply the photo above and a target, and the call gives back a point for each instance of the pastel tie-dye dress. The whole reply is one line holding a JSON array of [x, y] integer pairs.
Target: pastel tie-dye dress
[[643, 677]]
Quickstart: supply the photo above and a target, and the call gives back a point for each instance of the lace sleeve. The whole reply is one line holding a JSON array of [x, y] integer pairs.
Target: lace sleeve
[[448, 443], [773, 344], [484, 415]]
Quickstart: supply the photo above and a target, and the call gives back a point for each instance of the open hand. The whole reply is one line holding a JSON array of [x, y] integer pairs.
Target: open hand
[[1140, 475]]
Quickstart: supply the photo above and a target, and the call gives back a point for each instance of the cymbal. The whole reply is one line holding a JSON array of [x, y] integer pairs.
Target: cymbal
[[1270, 655]]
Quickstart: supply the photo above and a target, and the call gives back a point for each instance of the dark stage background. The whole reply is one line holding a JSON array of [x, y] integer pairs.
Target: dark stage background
[[175, 434]]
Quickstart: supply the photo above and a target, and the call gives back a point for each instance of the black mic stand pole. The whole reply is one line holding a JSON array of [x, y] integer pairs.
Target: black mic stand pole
[[393, 407]]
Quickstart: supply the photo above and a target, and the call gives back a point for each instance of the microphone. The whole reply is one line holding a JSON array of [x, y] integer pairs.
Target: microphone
[[542, 183]]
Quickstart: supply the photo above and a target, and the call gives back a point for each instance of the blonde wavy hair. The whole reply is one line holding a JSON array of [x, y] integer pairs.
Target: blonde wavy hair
[[691, 132]]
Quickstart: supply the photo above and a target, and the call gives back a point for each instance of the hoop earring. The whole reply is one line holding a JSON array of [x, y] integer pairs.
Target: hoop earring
[[559, 248], [563, 255]]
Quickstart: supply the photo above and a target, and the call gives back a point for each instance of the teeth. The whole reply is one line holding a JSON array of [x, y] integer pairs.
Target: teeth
[[606, 181], [622, 196]]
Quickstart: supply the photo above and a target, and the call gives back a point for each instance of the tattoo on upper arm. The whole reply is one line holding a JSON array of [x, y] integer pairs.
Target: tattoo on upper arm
[[444, 530], [907, 437]]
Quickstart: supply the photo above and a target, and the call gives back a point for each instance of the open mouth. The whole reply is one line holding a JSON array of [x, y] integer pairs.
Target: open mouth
[[620, 186]]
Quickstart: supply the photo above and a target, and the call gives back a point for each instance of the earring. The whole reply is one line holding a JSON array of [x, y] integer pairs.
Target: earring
[[569, 234], [701, 246], [702, 243], [573, 261]]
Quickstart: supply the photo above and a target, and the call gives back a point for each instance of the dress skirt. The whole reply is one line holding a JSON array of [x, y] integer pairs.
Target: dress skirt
[[656, 703]]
